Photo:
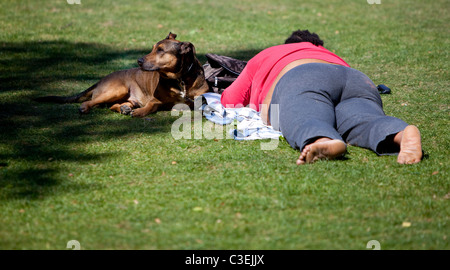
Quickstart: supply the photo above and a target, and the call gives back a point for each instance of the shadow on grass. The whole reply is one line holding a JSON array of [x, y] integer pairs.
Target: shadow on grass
[[38, 140], [34, 65], [33, 184]]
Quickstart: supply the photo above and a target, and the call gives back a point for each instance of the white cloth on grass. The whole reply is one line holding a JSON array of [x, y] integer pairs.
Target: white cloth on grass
[[249, 123]]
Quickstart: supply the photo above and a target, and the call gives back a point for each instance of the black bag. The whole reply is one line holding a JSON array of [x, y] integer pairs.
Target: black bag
[[221, 71]]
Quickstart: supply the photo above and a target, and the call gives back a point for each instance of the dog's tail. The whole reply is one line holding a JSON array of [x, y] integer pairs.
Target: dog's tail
[[81, 97]]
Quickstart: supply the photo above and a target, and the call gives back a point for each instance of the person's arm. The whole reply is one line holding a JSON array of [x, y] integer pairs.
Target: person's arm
[[238, 93]]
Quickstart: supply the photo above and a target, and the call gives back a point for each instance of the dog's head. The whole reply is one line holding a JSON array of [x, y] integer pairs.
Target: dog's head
[[168, 57]]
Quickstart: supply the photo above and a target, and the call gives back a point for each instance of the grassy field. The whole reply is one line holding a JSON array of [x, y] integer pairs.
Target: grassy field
[[114, 182]]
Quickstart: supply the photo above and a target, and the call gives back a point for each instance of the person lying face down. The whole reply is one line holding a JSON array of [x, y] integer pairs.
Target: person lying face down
[[319, 103]]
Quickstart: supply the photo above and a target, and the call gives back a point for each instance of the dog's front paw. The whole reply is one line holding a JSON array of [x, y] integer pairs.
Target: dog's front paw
[[138, 113], [124, 109]]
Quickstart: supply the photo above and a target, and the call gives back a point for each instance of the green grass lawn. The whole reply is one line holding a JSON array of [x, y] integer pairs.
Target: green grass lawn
[[114, 182]]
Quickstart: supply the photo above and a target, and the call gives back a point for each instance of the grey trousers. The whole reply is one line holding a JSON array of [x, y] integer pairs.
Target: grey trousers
[[323, 100]]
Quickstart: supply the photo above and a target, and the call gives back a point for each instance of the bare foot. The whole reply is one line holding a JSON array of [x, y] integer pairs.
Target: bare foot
[[323, 148], [410, 146]]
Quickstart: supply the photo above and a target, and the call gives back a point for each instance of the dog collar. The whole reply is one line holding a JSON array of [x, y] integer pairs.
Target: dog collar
[[183, 85], [183, 91]]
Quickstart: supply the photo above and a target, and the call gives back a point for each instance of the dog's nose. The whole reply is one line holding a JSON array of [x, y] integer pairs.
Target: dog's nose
[[140, 61]]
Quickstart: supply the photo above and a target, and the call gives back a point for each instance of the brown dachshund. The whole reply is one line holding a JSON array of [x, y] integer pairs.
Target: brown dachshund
[[168, 75]]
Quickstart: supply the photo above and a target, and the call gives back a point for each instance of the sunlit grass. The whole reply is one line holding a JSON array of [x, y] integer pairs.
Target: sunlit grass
[[113, 182]]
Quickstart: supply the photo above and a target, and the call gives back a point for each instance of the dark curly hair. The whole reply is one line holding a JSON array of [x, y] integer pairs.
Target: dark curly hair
[[304, 36]]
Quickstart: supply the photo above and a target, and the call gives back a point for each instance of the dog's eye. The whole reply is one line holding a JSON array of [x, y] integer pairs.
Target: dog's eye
[[159, 49]]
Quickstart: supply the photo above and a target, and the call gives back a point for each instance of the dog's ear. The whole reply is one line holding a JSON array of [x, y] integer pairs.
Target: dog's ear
[[187, 47], [171, 36]]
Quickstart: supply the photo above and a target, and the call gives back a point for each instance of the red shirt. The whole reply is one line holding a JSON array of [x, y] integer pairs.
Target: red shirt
[[255, 81]]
